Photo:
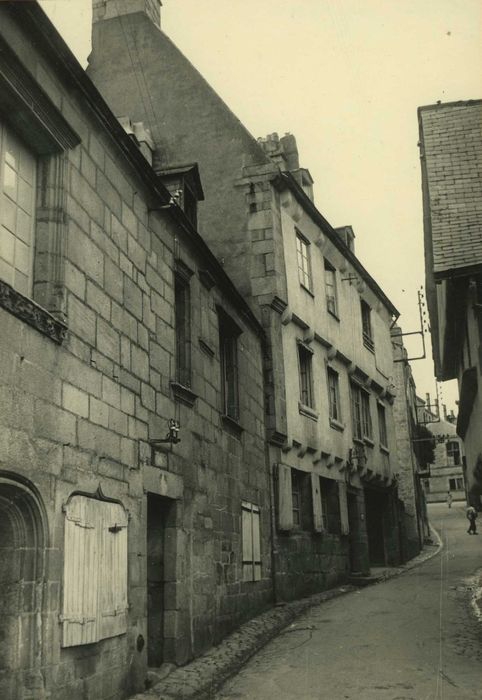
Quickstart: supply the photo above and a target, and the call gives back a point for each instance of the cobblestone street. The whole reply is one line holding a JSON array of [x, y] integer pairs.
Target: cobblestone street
[[414, 637]]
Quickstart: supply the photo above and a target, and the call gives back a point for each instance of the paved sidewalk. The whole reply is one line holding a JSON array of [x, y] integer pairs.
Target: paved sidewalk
[[201, 678]]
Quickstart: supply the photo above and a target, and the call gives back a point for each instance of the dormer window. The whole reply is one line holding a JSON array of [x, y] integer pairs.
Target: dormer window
[[184, 184]]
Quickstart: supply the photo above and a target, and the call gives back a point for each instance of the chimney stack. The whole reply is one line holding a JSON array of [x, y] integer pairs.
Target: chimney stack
[[108, 9]]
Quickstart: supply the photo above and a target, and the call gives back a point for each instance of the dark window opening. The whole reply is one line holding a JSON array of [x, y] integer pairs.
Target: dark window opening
[[301, 500], [182, 310], [368, 341], [330, 506], [334, 395], [228, 349], [330, 289], [306, 376]]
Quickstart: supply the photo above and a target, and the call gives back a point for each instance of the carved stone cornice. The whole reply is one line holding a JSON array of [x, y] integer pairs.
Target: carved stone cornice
[[27, 310]]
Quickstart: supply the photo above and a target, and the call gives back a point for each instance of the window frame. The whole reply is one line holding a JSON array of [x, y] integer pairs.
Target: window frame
[[362, 424], [305, 375], [303, 260], [382, 425], [334, 404], [367, 328], [229, 333], [329, 268], [182, 316], [453, 456]]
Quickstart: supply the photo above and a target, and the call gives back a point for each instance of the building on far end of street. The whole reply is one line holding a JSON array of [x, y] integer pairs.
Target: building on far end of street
[[447, 472], [331, 430], [451, 161]]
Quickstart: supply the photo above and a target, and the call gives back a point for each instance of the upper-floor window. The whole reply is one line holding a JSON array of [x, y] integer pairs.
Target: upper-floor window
[[306, 376], [304, 263], [453, 452], [17, 207], [182, 312], [368, 340], [330, 289], [228, 349], [361, 415], [382, 424], [334, 395]]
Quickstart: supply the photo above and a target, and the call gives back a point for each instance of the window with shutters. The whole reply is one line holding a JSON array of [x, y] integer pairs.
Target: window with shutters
[[361, 414], [251, 538], [228, 350], [18, 168], [301, 500], [330, 506], [95, 571]]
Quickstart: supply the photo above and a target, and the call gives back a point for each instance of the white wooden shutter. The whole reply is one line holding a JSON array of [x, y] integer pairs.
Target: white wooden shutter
[[285, 503], [256, 545], [345, 526], [317, 504], [112, 600], [79, 620]]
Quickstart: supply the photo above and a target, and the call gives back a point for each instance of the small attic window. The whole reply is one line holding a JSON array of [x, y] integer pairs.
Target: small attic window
[[184, 184]]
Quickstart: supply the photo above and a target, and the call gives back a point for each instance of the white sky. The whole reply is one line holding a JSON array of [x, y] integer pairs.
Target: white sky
[[346, 77]]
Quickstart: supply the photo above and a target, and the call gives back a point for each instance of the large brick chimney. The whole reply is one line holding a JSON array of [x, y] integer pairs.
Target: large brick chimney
[[107, 9]]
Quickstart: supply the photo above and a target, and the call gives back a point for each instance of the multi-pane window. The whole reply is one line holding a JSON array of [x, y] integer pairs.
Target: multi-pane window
[[17, 205], [330, 289], [361, 415], [228, 349], [301, 500], [456, 484], [306, 376], [95, 571], [182, 310], [382, 425], [304, 264], [366, 311], [251, 541], [334, 395], [453, 452]]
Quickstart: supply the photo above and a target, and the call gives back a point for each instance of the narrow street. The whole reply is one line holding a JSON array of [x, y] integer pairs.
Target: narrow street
[[413, 637]]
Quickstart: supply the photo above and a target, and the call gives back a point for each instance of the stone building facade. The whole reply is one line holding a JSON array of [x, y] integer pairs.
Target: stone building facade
[[447, 472], [410, 486], [331, 433], [134, 491], [451, 163]]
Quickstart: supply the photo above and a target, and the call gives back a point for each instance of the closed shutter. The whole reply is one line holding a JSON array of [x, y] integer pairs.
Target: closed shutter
[[81, 566], [247, 536], [113, 572], [95, 571], [285, 505], [256, 545], [345, 526], [317, 504]]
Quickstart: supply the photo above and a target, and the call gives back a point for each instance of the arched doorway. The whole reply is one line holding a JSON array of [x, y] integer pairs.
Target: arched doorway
[[22, 575]]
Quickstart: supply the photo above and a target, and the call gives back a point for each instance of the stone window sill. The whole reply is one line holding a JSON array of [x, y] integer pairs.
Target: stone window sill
[[307, 411], [368, 441], [29, 311], [333, 315], [206, 347], [183, 394], [232, 426], [337, 425], [385, 449], [307, 290]]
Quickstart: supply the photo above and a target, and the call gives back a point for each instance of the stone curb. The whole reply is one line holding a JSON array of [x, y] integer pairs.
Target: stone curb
[[201, 678]]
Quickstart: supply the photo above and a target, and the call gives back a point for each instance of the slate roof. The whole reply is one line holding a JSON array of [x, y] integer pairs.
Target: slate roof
[[451, 156]]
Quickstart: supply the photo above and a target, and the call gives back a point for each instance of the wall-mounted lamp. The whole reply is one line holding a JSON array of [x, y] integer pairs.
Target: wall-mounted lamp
[[172, 436]]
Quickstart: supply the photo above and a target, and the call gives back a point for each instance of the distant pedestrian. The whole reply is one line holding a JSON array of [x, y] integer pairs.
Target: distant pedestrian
[[472, 517], [449, 499]]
